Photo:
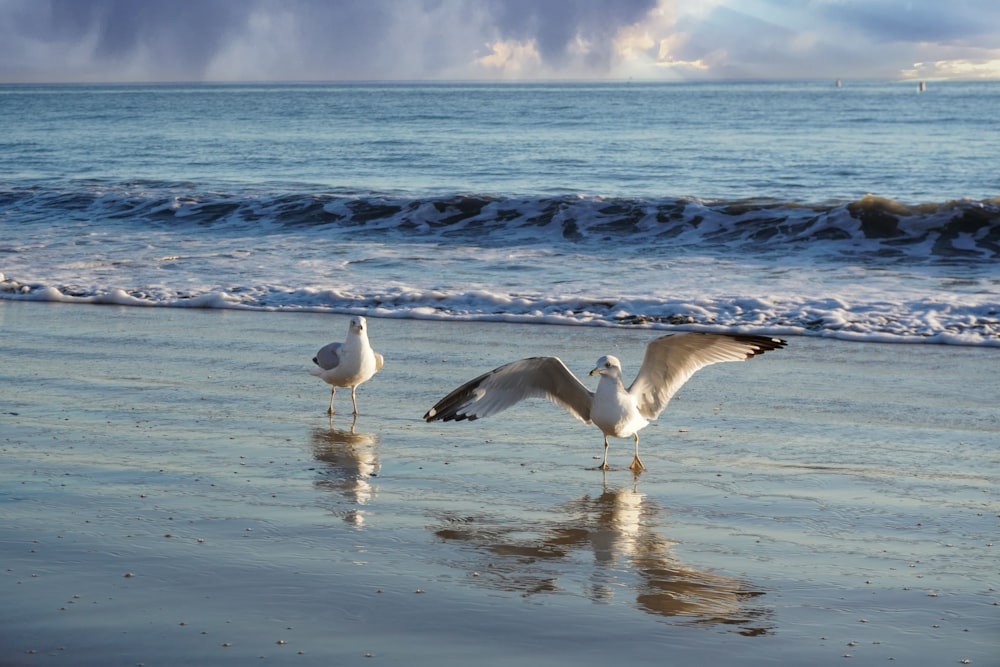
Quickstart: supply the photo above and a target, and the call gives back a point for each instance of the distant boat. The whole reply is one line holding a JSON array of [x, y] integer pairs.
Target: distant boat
[[840, 84], [922, 87]]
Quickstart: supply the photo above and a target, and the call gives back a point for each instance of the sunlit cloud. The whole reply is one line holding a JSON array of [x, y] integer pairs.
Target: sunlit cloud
[[954, 69], [666, 59], [634, 42], [511, 58]]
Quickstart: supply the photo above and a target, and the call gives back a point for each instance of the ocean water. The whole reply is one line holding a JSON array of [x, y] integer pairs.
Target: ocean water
[[867, 212]]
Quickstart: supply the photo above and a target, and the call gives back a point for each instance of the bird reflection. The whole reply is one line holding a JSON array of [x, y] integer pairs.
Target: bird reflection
[[351, 461], [628, 554]]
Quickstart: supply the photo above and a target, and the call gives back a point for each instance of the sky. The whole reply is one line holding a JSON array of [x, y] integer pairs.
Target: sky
[[50, 41]]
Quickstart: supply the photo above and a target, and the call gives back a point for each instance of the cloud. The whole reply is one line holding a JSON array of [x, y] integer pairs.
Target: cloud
[[837, 38], [511, 58], [262, 40], [954, 69], [919, 22], [305, 39], [115, 38], [569, 31]]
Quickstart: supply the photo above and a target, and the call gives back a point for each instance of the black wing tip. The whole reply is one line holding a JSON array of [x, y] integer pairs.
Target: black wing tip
[[449, 408], [433, 415], [761, 344]]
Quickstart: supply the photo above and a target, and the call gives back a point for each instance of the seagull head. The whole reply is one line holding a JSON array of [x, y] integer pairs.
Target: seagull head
[[357, 325], [608, 366]]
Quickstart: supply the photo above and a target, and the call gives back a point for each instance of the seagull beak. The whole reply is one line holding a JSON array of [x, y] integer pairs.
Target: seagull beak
[[596, 371]]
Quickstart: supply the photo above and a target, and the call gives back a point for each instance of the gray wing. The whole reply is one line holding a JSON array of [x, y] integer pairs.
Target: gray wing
[[671, 360], [328, 356], [536, 377]]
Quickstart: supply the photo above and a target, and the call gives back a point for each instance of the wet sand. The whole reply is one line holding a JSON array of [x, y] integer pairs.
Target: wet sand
[[172, 492]]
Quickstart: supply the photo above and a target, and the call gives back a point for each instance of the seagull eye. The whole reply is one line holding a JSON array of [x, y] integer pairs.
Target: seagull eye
[[607, 364]]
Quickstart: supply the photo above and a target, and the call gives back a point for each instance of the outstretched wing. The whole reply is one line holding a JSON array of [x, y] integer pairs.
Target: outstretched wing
[[328, 356], [535, 377], [670, 360]]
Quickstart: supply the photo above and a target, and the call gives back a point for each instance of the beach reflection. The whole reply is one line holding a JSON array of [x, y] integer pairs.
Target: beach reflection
[[350, 461], [628, 554]]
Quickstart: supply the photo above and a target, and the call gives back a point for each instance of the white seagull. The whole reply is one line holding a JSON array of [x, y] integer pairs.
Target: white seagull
[[669, 362], [348, 364]]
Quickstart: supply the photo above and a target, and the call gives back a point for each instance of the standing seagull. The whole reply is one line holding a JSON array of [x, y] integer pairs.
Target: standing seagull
[[669, 362], [348, 364]]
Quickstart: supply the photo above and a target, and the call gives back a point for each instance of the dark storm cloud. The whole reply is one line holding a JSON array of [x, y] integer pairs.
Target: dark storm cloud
[[186, 30], [342, 39], [554, 25], [183, 36], [75, 36]]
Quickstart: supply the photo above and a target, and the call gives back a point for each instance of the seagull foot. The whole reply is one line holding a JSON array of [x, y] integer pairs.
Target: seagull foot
[[636, 466]]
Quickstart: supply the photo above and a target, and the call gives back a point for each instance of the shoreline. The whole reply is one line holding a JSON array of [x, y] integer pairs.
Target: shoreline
[[653, 324], [173, 492]]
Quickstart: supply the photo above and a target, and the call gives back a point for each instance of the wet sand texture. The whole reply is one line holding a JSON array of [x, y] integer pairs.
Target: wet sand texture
[[173, 492]]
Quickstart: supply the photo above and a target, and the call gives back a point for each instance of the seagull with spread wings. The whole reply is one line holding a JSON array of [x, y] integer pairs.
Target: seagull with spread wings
[[619, 412]]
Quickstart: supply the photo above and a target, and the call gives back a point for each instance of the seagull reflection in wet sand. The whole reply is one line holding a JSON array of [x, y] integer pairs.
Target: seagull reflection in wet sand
[[617, 527], [350, 462]]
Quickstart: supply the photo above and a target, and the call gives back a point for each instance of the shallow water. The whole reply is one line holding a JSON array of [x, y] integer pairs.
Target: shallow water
[[172, 491]]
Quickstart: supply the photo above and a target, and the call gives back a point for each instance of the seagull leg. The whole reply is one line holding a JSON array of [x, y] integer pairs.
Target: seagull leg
[[604, 463], [354, 399], [333, 391], [636, 466]]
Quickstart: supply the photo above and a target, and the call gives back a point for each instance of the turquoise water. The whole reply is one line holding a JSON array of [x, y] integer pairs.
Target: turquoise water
[[868, 212], [806, 142]]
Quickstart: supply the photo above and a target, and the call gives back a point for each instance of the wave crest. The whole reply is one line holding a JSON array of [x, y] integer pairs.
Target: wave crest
[[871, 225]]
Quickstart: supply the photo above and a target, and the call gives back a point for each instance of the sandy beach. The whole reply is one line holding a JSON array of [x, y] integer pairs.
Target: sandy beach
[[173, 492]]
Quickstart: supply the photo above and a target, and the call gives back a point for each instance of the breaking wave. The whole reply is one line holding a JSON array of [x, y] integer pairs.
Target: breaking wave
[[872, 226]]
